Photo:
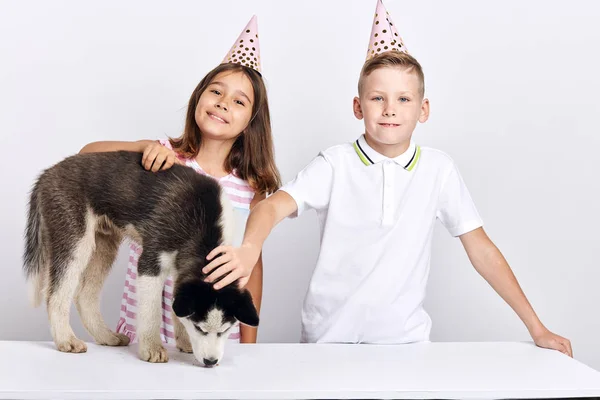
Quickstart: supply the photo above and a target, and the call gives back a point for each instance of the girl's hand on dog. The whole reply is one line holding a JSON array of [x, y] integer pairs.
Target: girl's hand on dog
[[236, 262], [157, 157]]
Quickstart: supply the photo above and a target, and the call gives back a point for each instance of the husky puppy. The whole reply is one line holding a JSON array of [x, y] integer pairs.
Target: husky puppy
[[80, 210]]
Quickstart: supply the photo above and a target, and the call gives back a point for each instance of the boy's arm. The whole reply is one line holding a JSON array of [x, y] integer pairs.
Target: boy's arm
[[310, 189], [239, 262], [249, 334], [492, 266]]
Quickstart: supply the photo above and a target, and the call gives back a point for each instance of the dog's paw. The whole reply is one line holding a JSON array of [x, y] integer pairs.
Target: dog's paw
[[185, 347], [153, 353], [113, 339], [183, 343], [73, 345]]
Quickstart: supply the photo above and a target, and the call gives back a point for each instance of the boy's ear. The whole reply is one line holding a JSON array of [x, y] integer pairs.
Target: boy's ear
[[424, 111], [357, 108]]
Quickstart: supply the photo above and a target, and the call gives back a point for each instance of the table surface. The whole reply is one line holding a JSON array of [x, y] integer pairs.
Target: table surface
[[475, 370]]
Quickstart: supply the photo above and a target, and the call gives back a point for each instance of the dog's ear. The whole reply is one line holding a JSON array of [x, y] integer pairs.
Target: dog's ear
[[245, 312], [183, 300]]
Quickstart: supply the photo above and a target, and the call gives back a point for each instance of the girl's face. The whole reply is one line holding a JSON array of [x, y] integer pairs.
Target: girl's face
[[224, 109]]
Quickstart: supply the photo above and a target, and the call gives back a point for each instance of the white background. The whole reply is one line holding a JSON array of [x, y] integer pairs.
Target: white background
[[513, 87]]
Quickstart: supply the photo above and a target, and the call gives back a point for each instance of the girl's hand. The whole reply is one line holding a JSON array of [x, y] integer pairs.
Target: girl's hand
[[235, 263], [157, 157]]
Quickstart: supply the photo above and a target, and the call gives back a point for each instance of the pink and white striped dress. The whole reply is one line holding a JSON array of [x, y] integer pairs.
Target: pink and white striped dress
[[241, 194]]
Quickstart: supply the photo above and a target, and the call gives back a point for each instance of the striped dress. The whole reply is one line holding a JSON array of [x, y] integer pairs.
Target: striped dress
[[240, 194]]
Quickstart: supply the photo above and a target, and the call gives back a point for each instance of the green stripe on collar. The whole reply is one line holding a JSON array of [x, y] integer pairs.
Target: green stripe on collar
[[361, 154], [367, 160], [415, 159]]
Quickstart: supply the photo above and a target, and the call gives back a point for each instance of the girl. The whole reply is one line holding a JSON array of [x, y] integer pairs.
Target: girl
[[227, 136]]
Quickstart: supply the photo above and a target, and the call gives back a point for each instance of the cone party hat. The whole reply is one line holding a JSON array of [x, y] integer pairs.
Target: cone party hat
[[246, 50], [384, 35]]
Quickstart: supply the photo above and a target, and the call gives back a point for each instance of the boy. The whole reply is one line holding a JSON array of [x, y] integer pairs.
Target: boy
[[377, 200]]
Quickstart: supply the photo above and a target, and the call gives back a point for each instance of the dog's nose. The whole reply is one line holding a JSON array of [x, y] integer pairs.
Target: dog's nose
[[210, 362]]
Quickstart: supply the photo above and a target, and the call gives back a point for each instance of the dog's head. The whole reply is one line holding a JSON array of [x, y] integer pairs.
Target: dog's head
[[208, 315]]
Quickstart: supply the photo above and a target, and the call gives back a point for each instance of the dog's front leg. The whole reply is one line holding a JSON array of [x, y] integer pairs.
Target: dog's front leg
[[150, 283], [182, 338]]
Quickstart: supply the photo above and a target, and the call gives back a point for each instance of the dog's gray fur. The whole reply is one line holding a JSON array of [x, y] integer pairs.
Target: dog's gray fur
[[79, 212]]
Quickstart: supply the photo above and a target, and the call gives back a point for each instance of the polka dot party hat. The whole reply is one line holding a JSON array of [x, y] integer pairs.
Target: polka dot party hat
[[245, 50], [384, 35]]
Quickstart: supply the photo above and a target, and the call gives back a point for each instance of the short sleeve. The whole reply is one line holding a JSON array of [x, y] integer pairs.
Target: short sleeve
[[456, 209], [166, 143], [311, 188]]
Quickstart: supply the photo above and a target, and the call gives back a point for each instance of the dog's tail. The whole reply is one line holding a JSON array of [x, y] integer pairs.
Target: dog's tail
[[34, 258]]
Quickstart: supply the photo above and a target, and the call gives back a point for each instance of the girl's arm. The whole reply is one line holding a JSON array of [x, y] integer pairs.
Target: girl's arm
[[98, 147], [156, 156], [248, 334]]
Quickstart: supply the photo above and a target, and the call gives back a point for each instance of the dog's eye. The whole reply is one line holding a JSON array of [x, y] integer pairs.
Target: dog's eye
[[219, 334], [200, 330]]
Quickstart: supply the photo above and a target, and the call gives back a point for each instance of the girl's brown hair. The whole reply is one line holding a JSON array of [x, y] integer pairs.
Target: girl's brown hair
[[252, 153]]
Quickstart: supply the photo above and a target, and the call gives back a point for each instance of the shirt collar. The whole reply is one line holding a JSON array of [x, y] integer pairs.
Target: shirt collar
[[368, 156]]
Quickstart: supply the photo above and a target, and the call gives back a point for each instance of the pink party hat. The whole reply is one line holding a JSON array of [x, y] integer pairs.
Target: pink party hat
[[384, 35], [245, 50]]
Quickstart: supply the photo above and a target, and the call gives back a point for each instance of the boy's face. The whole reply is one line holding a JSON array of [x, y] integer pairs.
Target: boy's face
[[391, 104]]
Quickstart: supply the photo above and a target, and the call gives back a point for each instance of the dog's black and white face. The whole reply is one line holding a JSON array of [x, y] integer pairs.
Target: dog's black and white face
[[208, 315]]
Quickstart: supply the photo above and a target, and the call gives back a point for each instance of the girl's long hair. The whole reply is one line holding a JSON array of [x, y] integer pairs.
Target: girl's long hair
[[252, 156]]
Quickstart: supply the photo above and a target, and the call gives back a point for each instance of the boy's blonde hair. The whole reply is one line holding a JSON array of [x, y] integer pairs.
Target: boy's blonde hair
[[392, 59]]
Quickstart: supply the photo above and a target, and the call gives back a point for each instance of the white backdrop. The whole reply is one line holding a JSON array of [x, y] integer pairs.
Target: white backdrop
[[513, 87]]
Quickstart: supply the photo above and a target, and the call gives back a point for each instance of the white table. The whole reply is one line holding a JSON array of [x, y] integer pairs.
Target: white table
[[36, 370]]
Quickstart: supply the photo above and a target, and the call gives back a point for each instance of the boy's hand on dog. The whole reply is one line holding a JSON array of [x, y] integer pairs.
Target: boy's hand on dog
[[157, 157], [236, 262]]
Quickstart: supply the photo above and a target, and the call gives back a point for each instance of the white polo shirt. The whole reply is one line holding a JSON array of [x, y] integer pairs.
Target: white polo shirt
[[377, 217]]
